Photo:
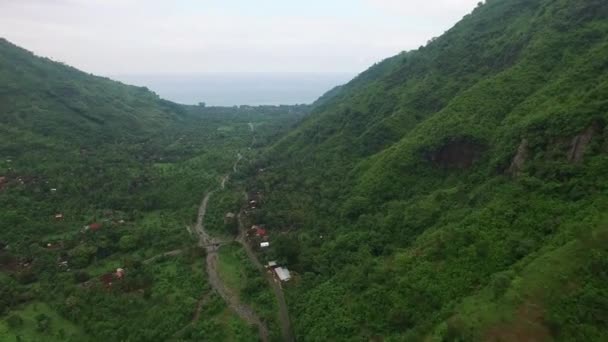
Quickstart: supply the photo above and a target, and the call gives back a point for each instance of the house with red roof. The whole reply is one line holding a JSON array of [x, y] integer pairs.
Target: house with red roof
[[260, 232], [95, 226]]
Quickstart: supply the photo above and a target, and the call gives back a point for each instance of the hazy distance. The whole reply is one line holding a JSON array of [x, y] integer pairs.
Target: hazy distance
[[229, 89]]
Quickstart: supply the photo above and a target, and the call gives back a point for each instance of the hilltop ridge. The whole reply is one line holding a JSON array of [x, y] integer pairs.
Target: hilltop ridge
[[442, 180]]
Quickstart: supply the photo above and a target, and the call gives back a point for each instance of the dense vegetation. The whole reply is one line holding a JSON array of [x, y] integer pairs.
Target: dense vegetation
[[133, 168], [455, 192]]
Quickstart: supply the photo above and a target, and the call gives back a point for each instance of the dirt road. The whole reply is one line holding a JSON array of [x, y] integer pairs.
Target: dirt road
[[212, 246], [286, 330]]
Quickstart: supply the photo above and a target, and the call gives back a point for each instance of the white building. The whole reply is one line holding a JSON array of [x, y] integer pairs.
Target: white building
[[264, 244], [282, 273]]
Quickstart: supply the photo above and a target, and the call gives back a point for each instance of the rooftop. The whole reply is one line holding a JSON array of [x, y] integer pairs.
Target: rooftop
[[283, 273]]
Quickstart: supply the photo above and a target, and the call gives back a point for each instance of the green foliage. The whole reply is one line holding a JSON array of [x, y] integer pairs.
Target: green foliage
[[397, 203], [14, 321], [43, 323], [400, 193], [127, 171]]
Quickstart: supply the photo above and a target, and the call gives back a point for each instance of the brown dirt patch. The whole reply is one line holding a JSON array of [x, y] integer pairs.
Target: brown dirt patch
[[527, 326], [456, 154]]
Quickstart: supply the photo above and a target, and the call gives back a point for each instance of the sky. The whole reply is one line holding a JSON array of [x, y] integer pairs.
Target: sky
[[113, 37]]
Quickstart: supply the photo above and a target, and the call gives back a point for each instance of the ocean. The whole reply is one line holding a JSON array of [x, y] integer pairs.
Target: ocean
[[230, 89]]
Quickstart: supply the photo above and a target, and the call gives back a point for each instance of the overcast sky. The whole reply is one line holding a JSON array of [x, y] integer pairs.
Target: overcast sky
[[112, 37]]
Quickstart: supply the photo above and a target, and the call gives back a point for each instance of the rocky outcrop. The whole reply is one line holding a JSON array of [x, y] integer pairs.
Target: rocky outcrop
[[456, 154], [580, 142], [517, 164]]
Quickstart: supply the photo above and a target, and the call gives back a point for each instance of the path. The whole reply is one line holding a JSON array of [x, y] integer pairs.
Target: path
[[286, 331], [212, 245], [156, 257]]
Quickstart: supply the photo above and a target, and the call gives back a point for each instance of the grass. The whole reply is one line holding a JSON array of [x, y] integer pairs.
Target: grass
[[166, 167], [238, 273], [105, 266], [519, 312], [218, 322], [59, 329], [231, 268], [225, 129], [236, 329]]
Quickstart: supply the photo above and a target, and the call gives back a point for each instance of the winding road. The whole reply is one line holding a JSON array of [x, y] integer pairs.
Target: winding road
[[212, 245], [286, 331]]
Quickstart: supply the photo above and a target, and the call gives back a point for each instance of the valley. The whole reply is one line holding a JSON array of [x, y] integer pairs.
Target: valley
[[453, 192]]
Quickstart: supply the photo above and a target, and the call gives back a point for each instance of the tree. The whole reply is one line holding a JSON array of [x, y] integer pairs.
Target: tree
[[14, 321], [127, 243], [287, 248], [43, 322]]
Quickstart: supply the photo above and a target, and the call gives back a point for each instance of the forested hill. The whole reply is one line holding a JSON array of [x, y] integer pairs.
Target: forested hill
[[457, 191], [50, 99], [100, 186]]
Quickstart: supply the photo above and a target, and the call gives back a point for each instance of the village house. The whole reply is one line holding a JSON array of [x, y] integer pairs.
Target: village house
[[94, 227], [265, 244], [282, 273], [59, 216], [257, 231], [260, 232], [120, 273], [109, 278]]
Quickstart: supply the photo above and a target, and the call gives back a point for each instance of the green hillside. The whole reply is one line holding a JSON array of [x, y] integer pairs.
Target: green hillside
[[52, 99], [455, 192], [80, 151]]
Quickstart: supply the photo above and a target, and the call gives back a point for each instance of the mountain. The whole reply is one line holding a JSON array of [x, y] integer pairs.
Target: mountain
[[458, 191], [100, 185], [52, 99]]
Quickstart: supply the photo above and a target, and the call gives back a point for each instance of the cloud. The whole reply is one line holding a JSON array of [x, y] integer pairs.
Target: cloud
[[428, 9], [154, 36]]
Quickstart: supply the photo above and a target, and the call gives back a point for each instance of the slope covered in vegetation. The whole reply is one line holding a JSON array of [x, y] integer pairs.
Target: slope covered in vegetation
[[457, 191], [97, 176]]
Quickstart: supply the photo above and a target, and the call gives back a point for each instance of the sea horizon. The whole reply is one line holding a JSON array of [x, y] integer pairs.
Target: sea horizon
[[234, 89]]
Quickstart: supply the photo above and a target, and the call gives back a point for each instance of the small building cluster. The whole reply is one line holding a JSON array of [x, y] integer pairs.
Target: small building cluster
[[258, 234], [109, 278], [93, 227], [282, 273]]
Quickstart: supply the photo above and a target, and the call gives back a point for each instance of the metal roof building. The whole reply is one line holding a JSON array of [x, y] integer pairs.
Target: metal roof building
[[283, 273]]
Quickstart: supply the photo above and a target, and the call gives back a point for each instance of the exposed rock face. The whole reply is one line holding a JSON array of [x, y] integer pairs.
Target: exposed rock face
[[457, 154], [519, 159], [579, 144]]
